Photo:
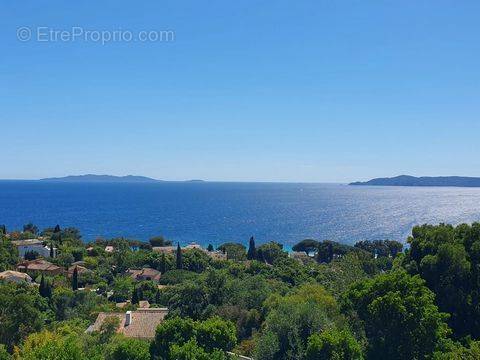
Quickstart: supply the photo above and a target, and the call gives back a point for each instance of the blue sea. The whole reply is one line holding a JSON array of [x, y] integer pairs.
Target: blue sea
[[219, 212]]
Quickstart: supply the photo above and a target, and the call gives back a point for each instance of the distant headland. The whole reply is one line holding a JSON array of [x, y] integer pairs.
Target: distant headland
[[107, 179], [406, 180]]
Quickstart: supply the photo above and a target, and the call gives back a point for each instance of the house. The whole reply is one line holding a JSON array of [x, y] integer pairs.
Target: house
[[80, 269], [301, 256], [139, 324], [145, 274], [40, 266], [15, 276], [217, 255], [164, 249], [121, 305], [32, 245], [192, 246], [79, 263], [143, 304]]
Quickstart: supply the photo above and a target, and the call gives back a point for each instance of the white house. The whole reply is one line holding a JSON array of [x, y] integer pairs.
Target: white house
[[32, 245]]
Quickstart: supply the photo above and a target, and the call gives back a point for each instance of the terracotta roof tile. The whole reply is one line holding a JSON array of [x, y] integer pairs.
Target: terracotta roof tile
[[143, 325]]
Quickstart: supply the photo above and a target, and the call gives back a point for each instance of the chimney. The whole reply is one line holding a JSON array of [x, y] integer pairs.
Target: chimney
[[128, 318]]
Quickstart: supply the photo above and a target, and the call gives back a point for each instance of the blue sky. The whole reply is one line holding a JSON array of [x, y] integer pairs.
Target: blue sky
[[321, 91]]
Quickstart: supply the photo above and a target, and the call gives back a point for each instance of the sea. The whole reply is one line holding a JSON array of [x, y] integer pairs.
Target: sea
[[215, 212]]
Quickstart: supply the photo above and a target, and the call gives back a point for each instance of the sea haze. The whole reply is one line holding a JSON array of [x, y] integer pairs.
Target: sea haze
[[219, 212]]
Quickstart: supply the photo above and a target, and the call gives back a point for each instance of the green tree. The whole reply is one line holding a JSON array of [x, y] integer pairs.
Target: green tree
[[333, 344], [31, 255], [122, 288], [292, 319], [210, 248], [399, 316], [307, 245], [448, 258], [51, 346], [127, 349], [4, 355], [30, 228], [21, 312], [271, 252], [208, 339], [191, 351], [8, 254], [75, 279], [189, 299], [179, 257], [42, 289], [163, 264], [216, 334], [109, 328], [159, 241], [252, 252], [135, 297], [381, 247], [158, 298], [234, 251], [195, 260], [172, 331]]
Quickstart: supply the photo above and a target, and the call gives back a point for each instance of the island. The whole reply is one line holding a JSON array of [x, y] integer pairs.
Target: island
[[407, 180], [101, 178], [108, 179]]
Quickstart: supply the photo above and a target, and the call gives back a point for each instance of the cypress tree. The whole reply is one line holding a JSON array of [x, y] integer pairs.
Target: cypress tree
[[330, 252], [42, 288], [157, 297], [163, 264], [135, 298], [48, 289], [52, 252], [252, 252], [210, 247], [75, 279], [57, 229], [3, 229], [179, 257]]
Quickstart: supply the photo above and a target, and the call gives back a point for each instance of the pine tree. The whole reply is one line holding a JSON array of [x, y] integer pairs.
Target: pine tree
[[135, 298], [179, 257], [252, 251], [75, 279]]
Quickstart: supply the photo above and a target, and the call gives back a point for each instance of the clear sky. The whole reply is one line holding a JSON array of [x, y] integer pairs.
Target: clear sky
[[322, 91]]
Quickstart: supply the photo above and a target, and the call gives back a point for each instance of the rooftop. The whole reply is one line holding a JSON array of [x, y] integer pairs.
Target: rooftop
[[143, 322], [15, 276], [26, 242], [38, 265], [145, 274]]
